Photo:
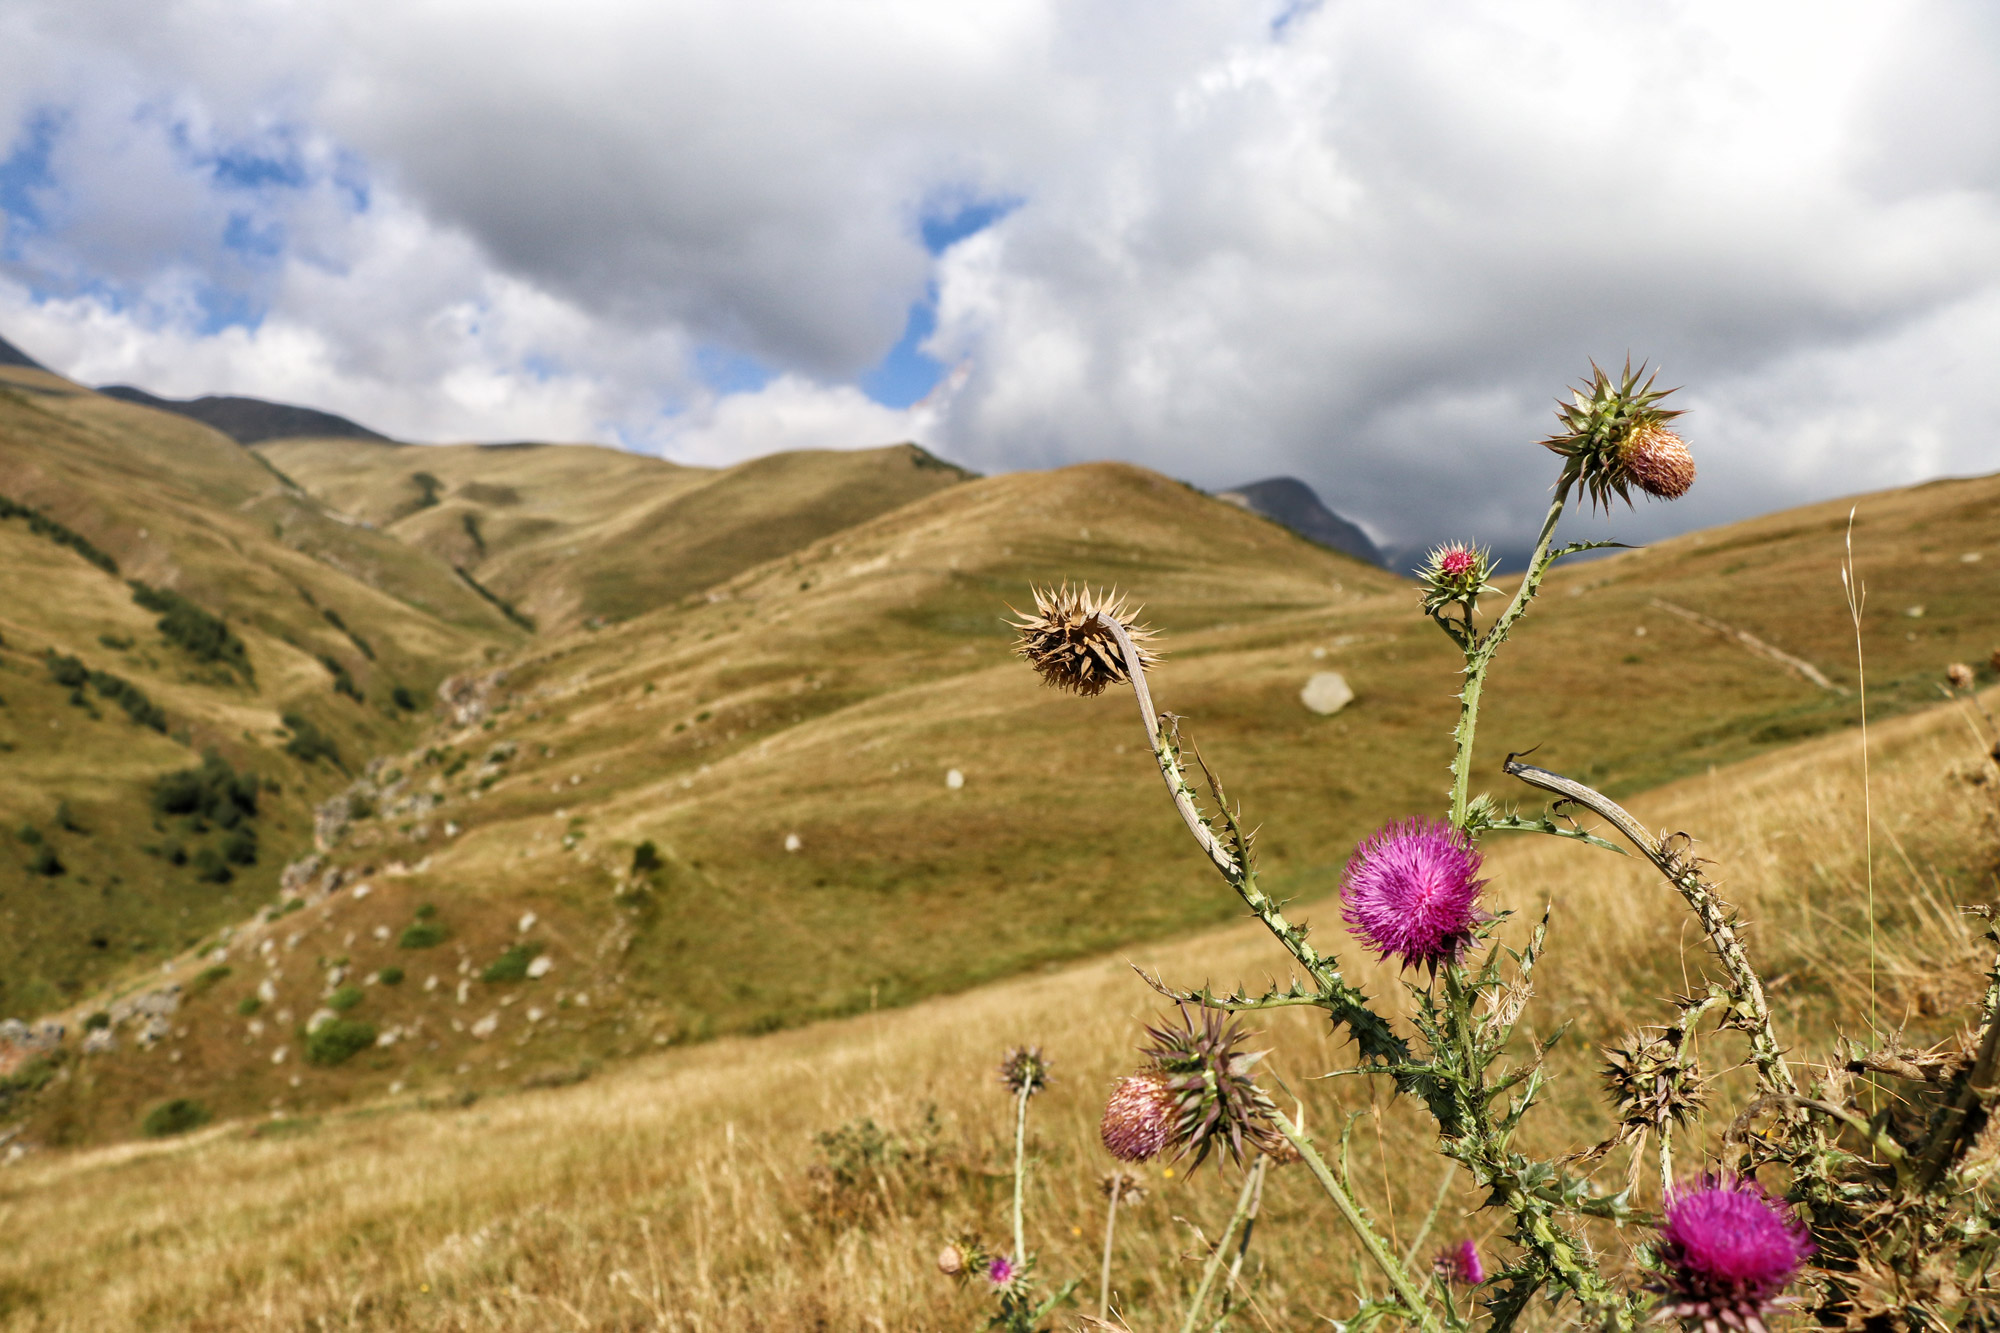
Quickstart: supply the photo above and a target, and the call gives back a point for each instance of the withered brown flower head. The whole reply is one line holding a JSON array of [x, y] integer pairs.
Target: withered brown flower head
[[1615, 433], [1650, 1086], [1025, 1071], [1065, 639], [1122, 1186], [1960, 676]]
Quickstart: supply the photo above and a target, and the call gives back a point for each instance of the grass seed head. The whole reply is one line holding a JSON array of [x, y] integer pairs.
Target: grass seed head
[[1025, 1071], [1615, 432], [1065, 640]]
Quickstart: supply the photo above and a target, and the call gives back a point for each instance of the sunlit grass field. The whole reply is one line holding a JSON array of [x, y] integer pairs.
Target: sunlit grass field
[[689, 1190]]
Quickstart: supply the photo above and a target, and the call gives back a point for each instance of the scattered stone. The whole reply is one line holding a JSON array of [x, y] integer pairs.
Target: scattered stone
[[99, 1041], [792, 842], [1326, 693], [954, 779], [267, 991], [540, 966], [486, 1026], [278, 1056], [527, 922]]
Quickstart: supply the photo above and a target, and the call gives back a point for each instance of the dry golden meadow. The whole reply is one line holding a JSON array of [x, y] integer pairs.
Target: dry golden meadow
[[686, 1190]]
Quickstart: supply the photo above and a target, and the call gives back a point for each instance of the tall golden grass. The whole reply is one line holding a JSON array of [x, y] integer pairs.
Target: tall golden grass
[[679, 1192]]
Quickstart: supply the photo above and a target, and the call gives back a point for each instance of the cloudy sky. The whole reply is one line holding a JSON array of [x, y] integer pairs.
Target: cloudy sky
[[1362, 243]]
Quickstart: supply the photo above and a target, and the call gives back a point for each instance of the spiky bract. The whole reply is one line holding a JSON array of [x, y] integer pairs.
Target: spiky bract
[[1454, 573], [1651, 1085], [1025, 1071], [1615, 432], [1412, 892], [1139, 1117], [1215, 1101], [1726, 1253], [1122, 1187], [1460, 1263], [1066, 640]]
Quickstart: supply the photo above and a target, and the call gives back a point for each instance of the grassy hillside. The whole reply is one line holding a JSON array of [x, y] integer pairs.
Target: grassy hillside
[[166, 595], [783, 745], [571, 532], [695, 1189]]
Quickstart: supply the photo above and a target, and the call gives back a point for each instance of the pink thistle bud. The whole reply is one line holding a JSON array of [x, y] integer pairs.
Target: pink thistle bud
[[1139, 1118], [1727, 1251], [1411, 892], [1001, 1272], [1455, 561], [1460, 1263]]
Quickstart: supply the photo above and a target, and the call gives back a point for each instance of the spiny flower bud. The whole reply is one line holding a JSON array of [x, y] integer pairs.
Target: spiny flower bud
[[1067, 641], [1411, 891], [963, 1256], [1726, 1253], [1460, 1263], [951, 1261], [1454, 573], [1139, 1118], [1615, 431], [1960, 675], [1025, 1071], [1216, 1102], [1650, 1086]]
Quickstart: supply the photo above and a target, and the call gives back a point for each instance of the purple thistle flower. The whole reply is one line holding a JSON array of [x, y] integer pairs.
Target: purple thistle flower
[[1411, 892], [1460, 1263], [1001, 1272], [1728, 1251]]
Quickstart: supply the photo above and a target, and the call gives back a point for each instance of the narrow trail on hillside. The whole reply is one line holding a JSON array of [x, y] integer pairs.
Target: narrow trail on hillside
[[1798, 666]]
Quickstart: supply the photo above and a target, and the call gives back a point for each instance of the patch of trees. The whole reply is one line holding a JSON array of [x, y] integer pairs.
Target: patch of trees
[[308, 742], [213, 793], [342, 682], [43, 526], [72, 673], [204, 636]]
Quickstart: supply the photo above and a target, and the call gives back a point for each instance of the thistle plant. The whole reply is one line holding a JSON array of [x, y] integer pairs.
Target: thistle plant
[[1882, 1219]]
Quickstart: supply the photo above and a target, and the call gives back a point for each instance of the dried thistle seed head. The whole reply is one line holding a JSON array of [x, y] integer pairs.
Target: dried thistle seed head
[[1282, 1153], [1650, 1086], [1122, 1187], [1139, 1117], [1216, 1103], [1960, 676], [962, 1256], [1066, 640], [951, 1261], [1025, 1071], [1726, 1253], [1454, 573], [1615, 432]]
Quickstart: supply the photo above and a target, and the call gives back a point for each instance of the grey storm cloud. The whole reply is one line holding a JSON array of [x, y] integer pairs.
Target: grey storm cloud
[[1362, 243]]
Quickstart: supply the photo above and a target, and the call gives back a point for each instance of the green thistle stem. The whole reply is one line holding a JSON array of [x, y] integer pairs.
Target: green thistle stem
[[1253, 1180], [1020, 1169], [1406, 1290], [1479, 651]]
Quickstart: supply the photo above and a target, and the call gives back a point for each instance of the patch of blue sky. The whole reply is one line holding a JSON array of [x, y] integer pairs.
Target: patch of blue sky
[[222, 308], [24, 174], [1290, 13], [726, 370], [252, 237], [905, 375], [945, 226]]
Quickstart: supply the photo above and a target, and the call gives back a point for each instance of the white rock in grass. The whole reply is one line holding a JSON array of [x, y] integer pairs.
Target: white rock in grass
[[278, 1056], [527, 922], [267, 991], [320, 1018], [954, 779], [540, 966], [485, 1027], [1327, 693], [792, 843]]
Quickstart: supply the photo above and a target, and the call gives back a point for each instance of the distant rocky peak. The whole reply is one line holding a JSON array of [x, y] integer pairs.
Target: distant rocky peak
[[1292, 503]]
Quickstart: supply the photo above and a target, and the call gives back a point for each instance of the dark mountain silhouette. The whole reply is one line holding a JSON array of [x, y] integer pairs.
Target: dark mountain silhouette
[[1289, 501], [249, 420], [11, 355]]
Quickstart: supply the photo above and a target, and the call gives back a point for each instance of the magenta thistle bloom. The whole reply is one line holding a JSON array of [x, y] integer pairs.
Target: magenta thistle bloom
[[1411, 891], [1001, 1272], [1727, 1251], [1455, 561], [1460, 1263]]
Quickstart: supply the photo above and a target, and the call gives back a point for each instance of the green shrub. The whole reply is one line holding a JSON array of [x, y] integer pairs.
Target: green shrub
[[308, 742], [68, 672], [46, 862], [512, 965], [210, 868], [344, 999], [390, 976], [240, 847], [43, 526], [214, 790], [204, 636], [426, 911], [248, 1005], [97, 1022], [205, 982], [403, 699], [175, 1117], [29, 834], [645, 858], [342, 682], [338, 1040], [421, 935]]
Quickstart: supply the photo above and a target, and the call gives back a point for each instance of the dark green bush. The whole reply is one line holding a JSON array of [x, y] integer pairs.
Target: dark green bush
[[645, 858], [29, 834], [248, 1005], [342, 682], [308, 742], [390, 976], [43, 526], [215, 790], [210, 868], [46, 862], [512, 965], [240, 847], [204, 636], [421, 935], [97, 1021], [66, 671], [175, 1117], [337, 1040], [403, 699], [344, 999], [425, 911], [206, 980]]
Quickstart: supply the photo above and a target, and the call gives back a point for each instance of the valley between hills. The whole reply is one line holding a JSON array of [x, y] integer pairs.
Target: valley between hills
[[501, 764]]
